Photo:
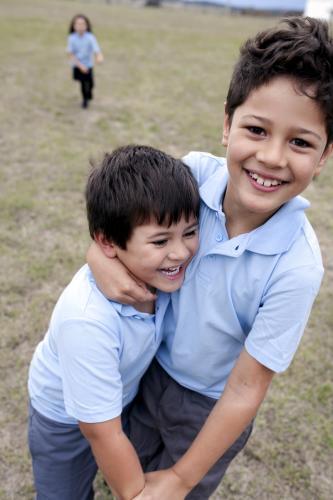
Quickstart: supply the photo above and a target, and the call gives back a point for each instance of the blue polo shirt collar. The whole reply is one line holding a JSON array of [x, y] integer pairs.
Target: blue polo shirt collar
[[211, 192], [274, 237], [127, 310], [278, 234]]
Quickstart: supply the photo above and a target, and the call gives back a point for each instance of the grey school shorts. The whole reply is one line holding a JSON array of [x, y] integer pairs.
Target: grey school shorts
[[64, 467], [164, 420]]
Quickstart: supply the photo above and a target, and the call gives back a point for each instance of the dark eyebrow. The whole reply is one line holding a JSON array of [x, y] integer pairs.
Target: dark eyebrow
[[192, 226], [166, 233], [158, 235], [306, 131], [297, 131]]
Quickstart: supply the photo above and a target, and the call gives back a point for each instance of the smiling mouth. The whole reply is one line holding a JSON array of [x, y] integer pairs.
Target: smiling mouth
[[171, 271], [265, 182]]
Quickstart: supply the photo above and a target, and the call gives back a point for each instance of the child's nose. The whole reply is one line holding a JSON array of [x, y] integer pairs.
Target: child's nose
[[179, 252], [272, 154]]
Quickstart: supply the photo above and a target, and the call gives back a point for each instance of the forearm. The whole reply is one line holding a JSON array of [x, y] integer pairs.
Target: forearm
[[224, 425], [231, 415], [119, 464], [99, 57]]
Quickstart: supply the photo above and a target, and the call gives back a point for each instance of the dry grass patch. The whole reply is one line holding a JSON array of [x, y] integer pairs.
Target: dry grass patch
[[163, 83]]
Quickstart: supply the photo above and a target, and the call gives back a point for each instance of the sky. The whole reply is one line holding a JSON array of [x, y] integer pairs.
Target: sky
[[263, 4]]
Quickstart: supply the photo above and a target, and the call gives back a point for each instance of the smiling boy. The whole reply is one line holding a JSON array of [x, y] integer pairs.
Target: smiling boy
[[276, 144], [241, 313], [142, 207]]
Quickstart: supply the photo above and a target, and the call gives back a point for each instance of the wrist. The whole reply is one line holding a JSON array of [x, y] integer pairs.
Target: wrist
[[186, 484]]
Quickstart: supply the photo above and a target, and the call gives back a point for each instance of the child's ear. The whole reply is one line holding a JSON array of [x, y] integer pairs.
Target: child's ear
[[107, 247], [226, 128], [325, 156]]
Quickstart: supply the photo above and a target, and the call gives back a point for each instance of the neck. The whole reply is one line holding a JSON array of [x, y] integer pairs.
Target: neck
[[238, 222]]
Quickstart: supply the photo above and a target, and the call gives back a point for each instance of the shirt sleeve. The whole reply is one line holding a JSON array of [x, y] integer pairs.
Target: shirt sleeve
[[89, 357], [95, 46], [282, 317], [70, 45]]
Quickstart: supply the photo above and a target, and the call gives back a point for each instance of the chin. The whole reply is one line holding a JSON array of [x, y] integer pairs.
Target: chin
[[171, 287]]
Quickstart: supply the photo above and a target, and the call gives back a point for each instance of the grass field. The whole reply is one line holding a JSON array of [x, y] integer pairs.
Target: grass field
[[163, 83]]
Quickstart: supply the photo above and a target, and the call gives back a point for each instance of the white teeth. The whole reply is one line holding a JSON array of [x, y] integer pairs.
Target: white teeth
[[171, 271], [260, 181], [264, 182]]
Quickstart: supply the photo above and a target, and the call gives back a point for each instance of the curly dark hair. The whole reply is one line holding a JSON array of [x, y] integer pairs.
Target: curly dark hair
[[298, 47], [79, 16]]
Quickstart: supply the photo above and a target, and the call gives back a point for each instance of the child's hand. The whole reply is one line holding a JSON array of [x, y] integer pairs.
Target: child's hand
[[83, 68], [115, 280], [99, 57], [163, 485]]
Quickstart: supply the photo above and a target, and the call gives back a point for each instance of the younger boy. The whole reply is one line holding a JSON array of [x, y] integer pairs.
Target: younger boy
[[242, 310], [142, 207]]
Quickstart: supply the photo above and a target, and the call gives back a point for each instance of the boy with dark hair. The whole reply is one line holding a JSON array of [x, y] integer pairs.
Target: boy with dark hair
[[248, 294], [142, 207]]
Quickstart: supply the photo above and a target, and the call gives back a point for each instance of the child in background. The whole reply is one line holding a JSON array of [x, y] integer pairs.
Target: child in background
[[142, 207], [240, 315], [82, 48]]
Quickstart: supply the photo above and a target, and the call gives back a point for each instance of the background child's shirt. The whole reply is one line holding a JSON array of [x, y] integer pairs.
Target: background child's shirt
[[89, 364], [254, 290], [83, 47]]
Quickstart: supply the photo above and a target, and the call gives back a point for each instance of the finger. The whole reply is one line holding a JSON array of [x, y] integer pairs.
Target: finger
[[138, 294], [139, 291], [127, 299]]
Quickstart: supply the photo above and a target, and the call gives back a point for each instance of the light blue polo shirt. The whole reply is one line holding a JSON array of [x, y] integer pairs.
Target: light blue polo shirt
[[255, 290], [83, 47], [90, 362]]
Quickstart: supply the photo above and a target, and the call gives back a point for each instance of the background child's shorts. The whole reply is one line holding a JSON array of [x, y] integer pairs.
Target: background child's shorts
[[164, 420]]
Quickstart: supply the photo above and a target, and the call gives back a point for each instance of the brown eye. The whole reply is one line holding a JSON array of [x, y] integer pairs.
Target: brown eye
[[190, 234], [256, 130], [159, 243], [300, 143]]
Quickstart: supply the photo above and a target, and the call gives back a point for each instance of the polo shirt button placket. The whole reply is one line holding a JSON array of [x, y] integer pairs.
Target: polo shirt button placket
[[219, 238]]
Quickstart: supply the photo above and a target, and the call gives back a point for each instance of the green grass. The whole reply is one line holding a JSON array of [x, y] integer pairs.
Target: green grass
[[163, 83]]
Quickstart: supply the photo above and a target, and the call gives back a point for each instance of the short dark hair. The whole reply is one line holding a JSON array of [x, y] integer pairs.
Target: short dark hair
[[135, 184], [79, 16], [299, 48]]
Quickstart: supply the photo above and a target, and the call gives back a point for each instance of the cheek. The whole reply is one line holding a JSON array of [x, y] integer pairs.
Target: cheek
[[195, 245], [237, 149], [148, 258], [304, 173]]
